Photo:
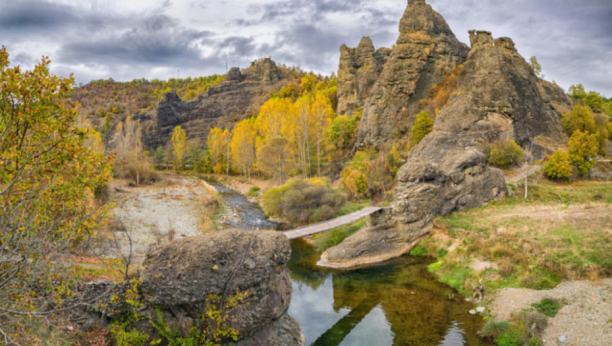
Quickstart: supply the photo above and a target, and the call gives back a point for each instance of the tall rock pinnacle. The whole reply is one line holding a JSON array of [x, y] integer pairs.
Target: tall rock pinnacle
[[426, 50], [358, 71]]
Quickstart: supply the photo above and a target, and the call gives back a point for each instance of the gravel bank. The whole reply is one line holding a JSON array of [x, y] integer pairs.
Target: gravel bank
[[584, 321]]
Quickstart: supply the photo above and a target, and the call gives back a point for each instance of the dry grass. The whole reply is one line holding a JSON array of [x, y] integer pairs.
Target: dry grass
[[560, 232]]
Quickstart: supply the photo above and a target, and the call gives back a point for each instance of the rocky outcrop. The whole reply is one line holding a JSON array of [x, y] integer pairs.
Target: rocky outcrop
[[180, 276], [239, 97], [498, 96], [425, 52], [359, 69]]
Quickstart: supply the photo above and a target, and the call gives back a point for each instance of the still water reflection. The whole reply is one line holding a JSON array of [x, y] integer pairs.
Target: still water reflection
[[397, 303]]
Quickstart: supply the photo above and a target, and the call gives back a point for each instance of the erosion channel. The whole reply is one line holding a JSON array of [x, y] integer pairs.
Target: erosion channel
[[395, 303]]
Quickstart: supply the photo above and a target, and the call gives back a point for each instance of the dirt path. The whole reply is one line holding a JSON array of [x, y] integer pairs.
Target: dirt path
[[160, 213], [586, 319]]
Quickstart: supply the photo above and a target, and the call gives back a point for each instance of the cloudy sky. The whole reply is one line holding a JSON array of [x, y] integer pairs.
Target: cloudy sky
[[155, 38]]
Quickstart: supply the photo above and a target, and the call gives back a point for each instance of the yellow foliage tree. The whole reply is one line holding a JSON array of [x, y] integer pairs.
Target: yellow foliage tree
[[48, 182], [244, 146], [179, 141]]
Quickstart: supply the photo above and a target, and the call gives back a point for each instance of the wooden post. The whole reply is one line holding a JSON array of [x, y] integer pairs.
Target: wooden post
[[526, 187]]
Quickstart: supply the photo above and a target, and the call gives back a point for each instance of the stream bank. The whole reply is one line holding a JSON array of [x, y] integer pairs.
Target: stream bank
[[394, 303]]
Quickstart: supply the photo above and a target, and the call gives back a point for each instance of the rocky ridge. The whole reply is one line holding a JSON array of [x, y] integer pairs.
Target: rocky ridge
[[359, 69], [424, 53], [498, 96], [240, 96]]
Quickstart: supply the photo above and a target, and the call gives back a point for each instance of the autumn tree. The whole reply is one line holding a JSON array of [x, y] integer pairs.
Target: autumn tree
[[308, 83], [179, 141], [48, 179], [275, 138], [422, 127], [303, 131], [244, 146], [583, 148], [558, 165], [215, 148], [322, 115], [226, 142], [132, 163], [579, 119]]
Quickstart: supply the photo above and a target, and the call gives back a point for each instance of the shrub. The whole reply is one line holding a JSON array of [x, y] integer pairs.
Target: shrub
[[558, 165], [422, 127], [510, 337], [549, 307], [504, 154], [493, 329], [304, 201]]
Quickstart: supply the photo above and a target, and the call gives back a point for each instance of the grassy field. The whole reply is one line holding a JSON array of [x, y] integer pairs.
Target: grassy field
[[559, 232]]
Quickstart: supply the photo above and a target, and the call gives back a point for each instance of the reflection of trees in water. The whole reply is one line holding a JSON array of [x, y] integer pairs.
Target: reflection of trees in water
[[419, 309]]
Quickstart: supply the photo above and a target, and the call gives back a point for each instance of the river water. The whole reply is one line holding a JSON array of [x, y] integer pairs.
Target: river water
[[397, 303]]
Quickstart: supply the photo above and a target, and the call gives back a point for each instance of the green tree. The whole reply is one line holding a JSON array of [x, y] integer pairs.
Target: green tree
[[583, 147], [577, 92], [48, 181], [558, 165], [609, 128], [579, 119], [535, 65], [422, 127], [595, 102], [179, 140], [159, 156]]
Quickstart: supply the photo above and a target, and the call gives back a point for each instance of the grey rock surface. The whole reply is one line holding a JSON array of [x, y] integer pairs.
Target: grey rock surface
[[239, 97], [181, 275], [359, 69], [498, 96], [424, 53]]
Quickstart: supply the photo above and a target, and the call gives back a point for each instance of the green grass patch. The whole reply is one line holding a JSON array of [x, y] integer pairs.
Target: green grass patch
[[351, 207], [418, 251], [335, 236], [549, 307], [253, 191]]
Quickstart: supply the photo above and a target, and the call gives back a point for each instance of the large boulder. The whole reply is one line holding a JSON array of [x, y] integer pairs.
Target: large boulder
[[359, 69], [181, 275], [425, 52]]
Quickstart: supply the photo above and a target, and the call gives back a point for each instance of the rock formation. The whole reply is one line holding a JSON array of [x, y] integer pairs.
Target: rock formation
[[178, 278], [240, 96], [426, 50], [359, 69], [498, 96]]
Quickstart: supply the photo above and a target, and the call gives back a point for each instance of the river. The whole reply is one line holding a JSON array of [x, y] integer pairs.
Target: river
[[397, 303]]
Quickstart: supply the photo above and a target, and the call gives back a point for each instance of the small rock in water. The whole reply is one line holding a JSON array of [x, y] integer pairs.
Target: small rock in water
[[563, 340], [472, 312], [480, 309]]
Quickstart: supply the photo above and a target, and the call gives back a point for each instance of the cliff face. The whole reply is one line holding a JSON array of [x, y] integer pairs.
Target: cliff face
[[240, 96], [359, 69], [498, 96], [426, 50]]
